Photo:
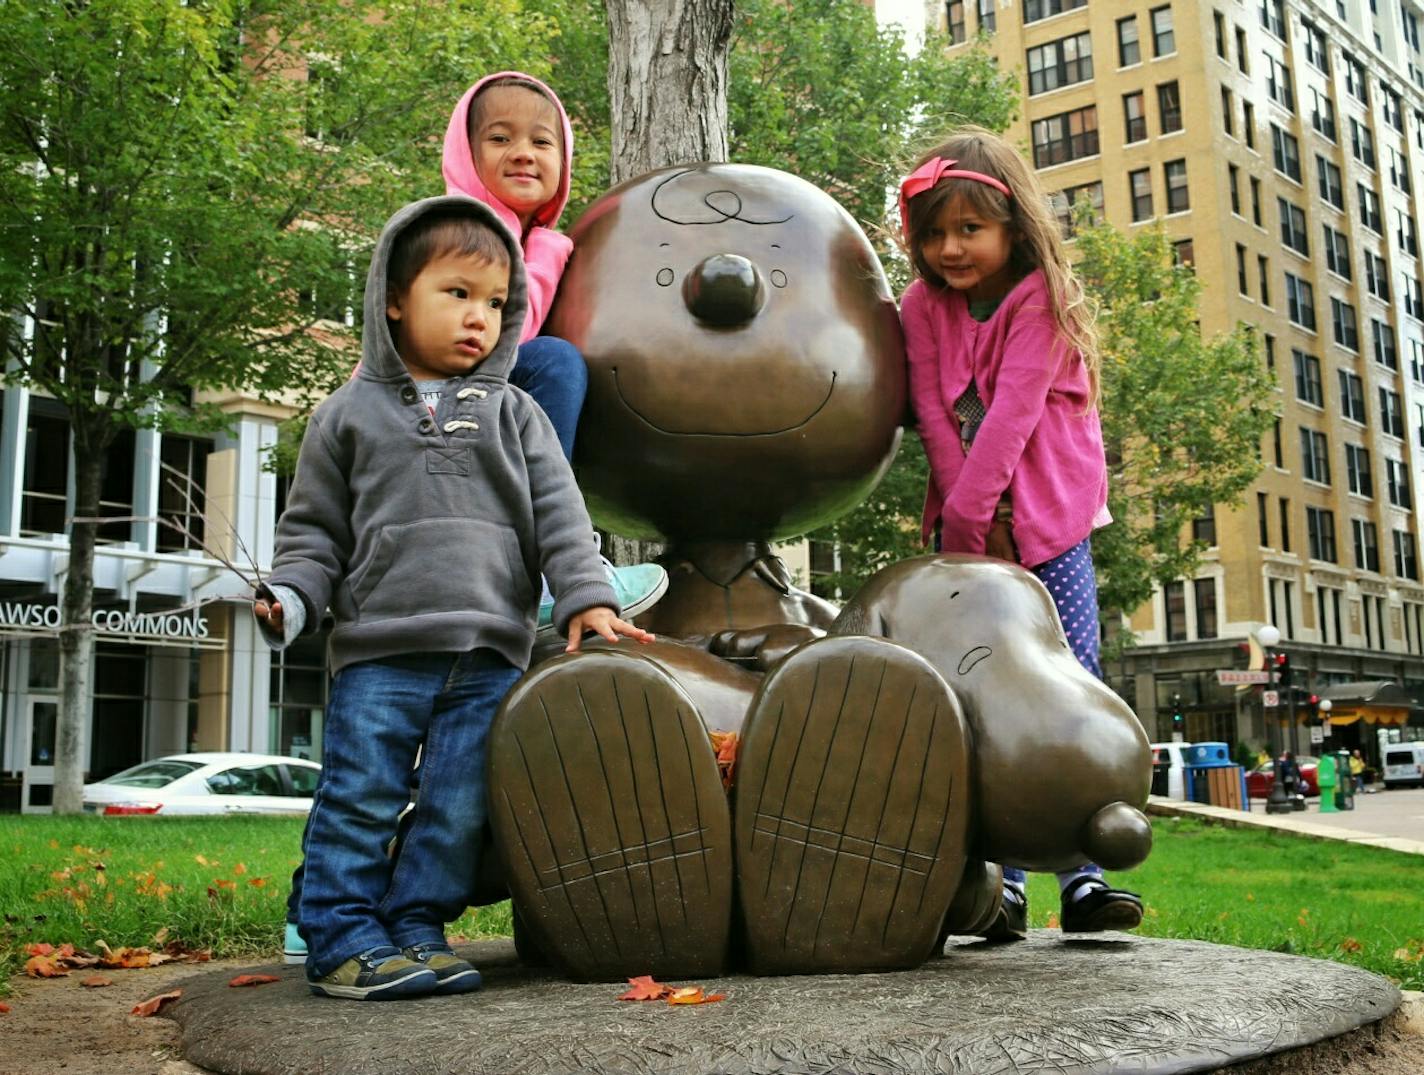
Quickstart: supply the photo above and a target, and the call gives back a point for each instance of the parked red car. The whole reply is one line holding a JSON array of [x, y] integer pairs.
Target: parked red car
[[1260, 779]]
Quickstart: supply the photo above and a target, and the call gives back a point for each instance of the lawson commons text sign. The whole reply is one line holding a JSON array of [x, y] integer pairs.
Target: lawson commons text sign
[[33, 617]]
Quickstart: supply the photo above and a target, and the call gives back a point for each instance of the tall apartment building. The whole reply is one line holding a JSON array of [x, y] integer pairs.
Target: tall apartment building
[[1281, 145]]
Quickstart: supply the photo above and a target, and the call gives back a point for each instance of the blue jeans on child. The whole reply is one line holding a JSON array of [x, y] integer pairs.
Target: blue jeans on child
[[553, 372], [353, 897]]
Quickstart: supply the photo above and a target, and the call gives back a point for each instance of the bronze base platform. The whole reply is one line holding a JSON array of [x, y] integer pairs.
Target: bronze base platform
[[1114, 1003]]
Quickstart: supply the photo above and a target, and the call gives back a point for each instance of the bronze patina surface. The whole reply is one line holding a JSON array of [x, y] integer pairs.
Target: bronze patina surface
[[747, 378]]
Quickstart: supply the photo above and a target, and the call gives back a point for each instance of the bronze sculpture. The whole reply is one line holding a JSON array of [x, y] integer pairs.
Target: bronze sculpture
[[746, 383]]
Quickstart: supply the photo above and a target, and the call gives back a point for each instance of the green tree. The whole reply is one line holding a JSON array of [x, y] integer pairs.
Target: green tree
[[188, 191], [1183, 414]]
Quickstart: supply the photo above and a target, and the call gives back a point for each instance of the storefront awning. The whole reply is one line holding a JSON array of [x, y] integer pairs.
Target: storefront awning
[[1380, 701]]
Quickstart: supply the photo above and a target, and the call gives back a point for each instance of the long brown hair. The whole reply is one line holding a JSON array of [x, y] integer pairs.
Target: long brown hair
[[1037, 243]]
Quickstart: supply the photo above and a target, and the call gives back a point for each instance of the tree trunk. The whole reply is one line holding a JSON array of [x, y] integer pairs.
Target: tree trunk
[[667, 82], [667, 89], [76, 636]]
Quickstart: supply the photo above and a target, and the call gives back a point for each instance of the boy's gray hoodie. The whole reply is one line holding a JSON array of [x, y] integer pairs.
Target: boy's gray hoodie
[[426, 537]]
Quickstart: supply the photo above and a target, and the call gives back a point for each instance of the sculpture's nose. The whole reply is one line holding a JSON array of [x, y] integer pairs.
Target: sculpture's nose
[[724, 290]]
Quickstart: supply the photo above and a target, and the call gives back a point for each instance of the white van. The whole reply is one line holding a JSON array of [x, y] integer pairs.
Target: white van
[[1170, 758], [1403, 764]]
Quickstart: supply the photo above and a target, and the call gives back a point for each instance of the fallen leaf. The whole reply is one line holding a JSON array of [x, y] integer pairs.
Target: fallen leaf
[[153, 1005], [725, 745], [1349, 944], [201, 861], [4, 1009], [252, 979], [644, 988], [95, 981], [44, 967], [239, 869], [257, 882], [693, 995], [224, 883], [1052, 919], [160, 936], [41, 949]]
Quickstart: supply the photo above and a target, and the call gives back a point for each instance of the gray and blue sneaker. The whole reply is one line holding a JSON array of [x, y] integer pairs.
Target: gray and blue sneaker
[[380, 973], [453, 974], [294, 948], [638, 587]]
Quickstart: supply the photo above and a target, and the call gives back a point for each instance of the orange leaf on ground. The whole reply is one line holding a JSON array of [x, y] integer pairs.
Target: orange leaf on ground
[[1349, 944], [239, 869], [160, 936], [153, 1005], [693, 995], [252, 979], [4, 1009], [41, 949], [257, 882], [95, 981], [222, 882], [644, 988], [1052, 919], [127, 958], [44, 967], [201, 861]]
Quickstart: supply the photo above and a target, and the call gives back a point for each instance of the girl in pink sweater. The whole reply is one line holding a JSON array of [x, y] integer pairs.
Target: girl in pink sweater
[[1004, 381]]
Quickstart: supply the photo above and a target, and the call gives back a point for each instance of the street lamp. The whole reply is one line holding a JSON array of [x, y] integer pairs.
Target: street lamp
[[1278, 802]]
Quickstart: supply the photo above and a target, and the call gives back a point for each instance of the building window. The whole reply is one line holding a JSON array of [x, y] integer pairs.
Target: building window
[[1397, 482], [1355, 79], [1393, 107], [1352, 400], [1169, 107], [1129, 49], [1322, 114], [1315, 46], [1278, 83], [44, 494], [1376, 276], [1263, 278], [1204, 590], [1406, 566], [1337, 251], [1399, 171], [1343, 324], [1416, 361], [1255, 201], [181, 496], [1293, 227], [1174, 601], [1330, 188], [988, 21], [1204, 527], [1300, 301], [1391, 413], [1273, 17], [1307, 378], [297, 694], [1326, 598], [1314, 456], [1034, 10], [1140, 188], [1184, 253], [1248, 123], [1385, 353], [1134, 114], [1320, 534], [1413, 299], [1369, 208], [1065, 137], [1178, 199], [1219, 26], [1366, 544], [1243, 63], [1233, 183], [954, 11], [1285, 526], [116, 483], [1066, 199], [1060, 63], [1164, 42], [1263, 526], [1285, 152], [1270, 343], [1357, 468], [1243, 285], [1405, 233], [1362, 143], [1228, 110]]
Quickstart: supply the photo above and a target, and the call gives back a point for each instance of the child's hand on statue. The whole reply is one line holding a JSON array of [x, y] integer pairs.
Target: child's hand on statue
[[604, 622]]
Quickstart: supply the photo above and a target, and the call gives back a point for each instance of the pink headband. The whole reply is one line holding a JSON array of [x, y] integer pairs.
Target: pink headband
[[931, 172]]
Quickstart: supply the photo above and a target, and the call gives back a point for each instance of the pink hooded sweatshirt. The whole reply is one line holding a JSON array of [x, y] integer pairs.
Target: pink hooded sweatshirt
[[546, 252]]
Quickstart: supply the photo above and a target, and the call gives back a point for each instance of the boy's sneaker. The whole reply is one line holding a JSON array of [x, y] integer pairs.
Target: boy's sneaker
[[1011, 923], [638, 588], [294, 949], [380, 973], [452, 973]]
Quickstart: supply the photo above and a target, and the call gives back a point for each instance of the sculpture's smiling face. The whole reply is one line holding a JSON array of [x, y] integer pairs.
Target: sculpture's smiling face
[[746, 371]]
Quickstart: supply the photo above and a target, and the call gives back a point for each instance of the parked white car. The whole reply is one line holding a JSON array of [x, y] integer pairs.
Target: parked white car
[[207, 783], [1170, 758], [1403, 764]]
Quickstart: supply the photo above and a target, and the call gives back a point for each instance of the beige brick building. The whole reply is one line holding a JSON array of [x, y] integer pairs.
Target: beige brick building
[[1281, 144]]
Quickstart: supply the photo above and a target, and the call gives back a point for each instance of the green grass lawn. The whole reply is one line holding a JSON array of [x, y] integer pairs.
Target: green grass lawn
[[221, 884]]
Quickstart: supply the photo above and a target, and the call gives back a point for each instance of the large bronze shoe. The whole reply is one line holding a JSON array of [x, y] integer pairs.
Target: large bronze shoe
[[608, 806], [852, 800]]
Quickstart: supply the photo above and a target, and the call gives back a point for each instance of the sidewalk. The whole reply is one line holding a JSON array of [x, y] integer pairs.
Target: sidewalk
[[1303, 823]]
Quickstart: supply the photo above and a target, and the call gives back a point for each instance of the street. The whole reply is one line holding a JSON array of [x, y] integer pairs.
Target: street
[[1398, 812]]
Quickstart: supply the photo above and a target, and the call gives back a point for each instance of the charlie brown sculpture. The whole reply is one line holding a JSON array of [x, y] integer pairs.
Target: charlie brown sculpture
[[746, 383]]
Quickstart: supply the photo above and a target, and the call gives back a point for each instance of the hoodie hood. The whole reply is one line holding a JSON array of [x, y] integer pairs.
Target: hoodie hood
[[380, 361], [458, 161]]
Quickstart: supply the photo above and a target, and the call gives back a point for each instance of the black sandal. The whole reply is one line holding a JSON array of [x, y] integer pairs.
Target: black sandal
[[1100, 909]]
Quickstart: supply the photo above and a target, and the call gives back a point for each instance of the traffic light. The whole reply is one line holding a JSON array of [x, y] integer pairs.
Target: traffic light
[[1178, 720], [1283, 669]]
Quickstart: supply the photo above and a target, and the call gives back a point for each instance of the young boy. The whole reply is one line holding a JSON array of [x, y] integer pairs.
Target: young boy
[[430, 493]]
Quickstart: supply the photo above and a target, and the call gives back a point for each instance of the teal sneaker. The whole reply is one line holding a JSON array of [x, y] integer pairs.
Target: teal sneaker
[[453, 974], [380, 973], [639, 588], [294, 949]]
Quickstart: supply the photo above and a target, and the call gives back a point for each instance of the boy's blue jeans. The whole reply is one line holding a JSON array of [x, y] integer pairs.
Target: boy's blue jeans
[[553, 372], [380, 712]]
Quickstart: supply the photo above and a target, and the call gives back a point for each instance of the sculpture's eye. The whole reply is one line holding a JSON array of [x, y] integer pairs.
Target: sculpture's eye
[[665, 276]]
